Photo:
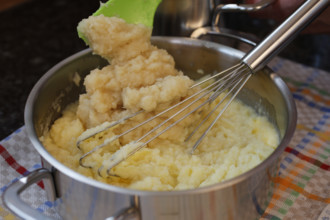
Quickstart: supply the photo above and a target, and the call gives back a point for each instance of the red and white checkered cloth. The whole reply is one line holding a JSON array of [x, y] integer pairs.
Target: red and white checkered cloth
[[302, 188]]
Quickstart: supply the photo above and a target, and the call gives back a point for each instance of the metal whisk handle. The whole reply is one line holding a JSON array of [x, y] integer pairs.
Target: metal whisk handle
[[283, 34]]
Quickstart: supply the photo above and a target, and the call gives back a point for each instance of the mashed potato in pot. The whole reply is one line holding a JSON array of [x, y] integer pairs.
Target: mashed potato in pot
[[141, 76]]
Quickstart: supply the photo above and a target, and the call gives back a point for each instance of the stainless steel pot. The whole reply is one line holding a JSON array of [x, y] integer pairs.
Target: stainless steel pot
[[78, 197], [182, 17]]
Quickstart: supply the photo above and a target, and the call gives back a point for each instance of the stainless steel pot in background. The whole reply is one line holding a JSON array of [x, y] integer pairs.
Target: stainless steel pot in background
[[180, 18], [183, 17], [78, 197]]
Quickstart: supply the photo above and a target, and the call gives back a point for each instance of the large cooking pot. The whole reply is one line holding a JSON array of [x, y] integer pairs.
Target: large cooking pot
[[78, 197]]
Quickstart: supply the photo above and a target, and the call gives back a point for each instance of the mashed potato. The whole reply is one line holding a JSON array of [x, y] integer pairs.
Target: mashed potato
[[141, 76]]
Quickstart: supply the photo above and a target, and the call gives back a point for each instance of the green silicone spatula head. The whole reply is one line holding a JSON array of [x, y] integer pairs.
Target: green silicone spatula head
[[132, 11]]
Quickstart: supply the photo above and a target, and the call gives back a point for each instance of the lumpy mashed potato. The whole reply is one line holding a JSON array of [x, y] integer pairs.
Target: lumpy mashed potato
[[141, 76]]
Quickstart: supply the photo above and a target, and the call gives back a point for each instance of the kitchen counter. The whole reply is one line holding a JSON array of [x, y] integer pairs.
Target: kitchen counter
[[39, 33], [34, 37]]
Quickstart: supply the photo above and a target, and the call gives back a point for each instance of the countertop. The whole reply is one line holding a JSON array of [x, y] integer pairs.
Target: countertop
[[39, 33], [34, 37]]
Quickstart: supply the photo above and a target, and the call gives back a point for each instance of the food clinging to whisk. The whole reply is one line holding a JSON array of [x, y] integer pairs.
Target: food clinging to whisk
[[142, 78]]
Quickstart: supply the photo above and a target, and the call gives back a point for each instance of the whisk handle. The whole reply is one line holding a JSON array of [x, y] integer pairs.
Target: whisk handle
[[283, 34]]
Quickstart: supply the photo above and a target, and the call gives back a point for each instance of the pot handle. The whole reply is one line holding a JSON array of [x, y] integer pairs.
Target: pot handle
[[238, 8], [199, 32], [132, 212], [214, 29], [11, 196], [129, 213]]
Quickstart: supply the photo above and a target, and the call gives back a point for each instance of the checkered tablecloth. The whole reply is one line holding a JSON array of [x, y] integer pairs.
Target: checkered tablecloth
[[303, 186]]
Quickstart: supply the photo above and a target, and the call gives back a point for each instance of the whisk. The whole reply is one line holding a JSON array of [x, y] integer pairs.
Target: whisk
[[229, 81]]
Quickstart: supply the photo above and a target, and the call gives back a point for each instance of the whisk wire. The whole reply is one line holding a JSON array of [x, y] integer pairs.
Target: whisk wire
[[99, 129], [219, 90], [115, 160], [206, 90], [217, 75], [230, 80], [240, 83]]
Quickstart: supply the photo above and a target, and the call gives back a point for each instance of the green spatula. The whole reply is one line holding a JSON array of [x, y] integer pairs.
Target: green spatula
[[132, 11]]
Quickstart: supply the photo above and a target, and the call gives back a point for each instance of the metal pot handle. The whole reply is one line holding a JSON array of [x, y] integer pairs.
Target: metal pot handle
[[238, 8], [11, 196], [198, 33], [214, 29], [132, 212], [129, 213]]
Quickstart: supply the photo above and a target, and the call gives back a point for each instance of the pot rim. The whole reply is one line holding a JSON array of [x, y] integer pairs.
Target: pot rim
[[28, 116]]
